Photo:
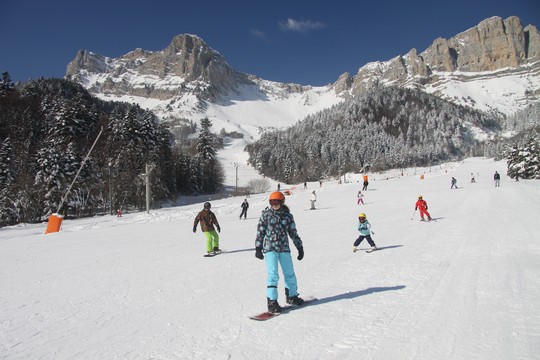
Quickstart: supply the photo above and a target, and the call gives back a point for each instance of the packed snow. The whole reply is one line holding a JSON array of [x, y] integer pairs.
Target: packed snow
[[466, 286]]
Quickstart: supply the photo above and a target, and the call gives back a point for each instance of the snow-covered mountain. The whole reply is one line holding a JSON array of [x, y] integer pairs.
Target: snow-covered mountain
[[494, 66]]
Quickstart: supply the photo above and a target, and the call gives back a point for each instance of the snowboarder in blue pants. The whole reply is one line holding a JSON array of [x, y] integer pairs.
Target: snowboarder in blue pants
[[275, 225]]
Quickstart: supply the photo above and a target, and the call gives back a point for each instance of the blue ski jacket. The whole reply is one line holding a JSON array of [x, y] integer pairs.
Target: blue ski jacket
[[273, 228], [364, 228]]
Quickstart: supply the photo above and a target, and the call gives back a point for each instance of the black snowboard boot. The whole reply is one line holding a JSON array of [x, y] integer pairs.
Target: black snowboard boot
[[273, 306], [293, 300]]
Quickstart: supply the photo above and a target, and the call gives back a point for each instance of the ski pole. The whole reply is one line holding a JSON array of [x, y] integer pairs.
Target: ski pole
[[413, 214]]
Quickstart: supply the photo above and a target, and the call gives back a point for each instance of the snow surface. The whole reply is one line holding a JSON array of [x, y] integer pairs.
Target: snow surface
[[500, 91], [137, 287]]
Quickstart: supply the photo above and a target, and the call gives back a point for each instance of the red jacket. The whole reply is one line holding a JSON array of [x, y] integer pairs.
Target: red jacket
[[421, 203]]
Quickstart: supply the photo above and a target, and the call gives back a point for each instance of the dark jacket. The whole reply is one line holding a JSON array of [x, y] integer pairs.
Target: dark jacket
[[207, 219], [273, 228]]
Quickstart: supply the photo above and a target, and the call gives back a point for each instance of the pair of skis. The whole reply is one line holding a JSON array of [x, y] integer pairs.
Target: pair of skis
[[370, 250], [284, 309]]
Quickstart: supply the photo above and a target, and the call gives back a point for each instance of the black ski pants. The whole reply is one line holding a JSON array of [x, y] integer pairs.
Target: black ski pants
[[362, 237]]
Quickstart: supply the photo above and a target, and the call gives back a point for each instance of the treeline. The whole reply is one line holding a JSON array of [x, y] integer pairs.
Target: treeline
[[388, 128], [46, 130]]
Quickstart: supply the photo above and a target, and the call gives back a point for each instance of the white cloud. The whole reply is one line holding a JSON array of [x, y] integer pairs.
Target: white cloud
[[300, 25], [259, 34]]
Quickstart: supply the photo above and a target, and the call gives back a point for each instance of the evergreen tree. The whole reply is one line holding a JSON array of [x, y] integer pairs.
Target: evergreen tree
[[208, 172], [524, 160], [8, 211], [6, 85], [205, 147]]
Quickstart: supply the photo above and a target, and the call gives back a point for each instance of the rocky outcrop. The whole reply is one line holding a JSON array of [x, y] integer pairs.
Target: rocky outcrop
[[492, 45], [186, 63]]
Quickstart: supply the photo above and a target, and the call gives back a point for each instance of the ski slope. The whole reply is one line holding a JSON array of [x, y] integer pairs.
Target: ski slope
[[137, 287]]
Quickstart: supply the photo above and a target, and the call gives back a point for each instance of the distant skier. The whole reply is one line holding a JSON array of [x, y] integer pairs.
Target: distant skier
[[497, 178], [305, 185], [313, 199], [364, 227], [278, 187], [275, 226], [422, 206], [366, 183], [360, 196], [472, 178], [208, 219], [453, 183], [244, 206]]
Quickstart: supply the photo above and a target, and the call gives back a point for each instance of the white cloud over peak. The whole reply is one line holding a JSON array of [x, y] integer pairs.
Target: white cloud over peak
[[300, 25]]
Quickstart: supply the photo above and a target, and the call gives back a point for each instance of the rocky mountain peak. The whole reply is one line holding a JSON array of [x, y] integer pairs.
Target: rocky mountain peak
[[186, 61], [494, 45], [491, 45]]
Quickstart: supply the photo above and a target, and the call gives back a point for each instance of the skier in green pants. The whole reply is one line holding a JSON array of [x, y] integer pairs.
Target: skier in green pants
[[208, 219]]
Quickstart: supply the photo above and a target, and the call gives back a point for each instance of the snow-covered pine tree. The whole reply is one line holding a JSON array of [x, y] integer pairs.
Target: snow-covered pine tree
[[209, 173], [8, 211], [6, 85], [524, 160], [205, 147]]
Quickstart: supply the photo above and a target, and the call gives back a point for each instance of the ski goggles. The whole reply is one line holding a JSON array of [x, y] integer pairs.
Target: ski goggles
[[275, 202]]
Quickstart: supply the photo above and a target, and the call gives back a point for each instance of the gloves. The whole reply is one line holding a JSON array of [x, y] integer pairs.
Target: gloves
[[194, 229], [259, 253], [300, 253]]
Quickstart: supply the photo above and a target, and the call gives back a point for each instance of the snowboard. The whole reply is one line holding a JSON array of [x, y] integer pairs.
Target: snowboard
[[212, 254], [284, 309]]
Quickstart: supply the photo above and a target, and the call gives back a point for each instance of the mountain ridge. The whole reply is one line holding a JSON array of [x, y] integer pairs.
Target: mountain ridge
[[494, 67]]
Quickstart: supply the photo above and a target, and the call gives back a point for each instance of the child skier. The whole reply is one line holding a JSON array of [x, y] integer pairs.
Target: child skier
[[365, 233], [208, 220], [421, 205], [360, 196], [275, 223]]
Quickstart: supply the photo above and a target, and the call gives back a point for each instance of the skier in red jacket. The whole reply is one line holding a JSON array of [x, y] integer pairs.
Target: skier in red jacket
[[421, 205]]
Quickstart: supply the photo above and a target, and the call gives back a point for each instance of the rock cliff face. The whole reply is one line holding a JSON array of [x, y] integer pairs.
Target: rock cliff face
[[492, 45], [187, 64], [493, 50]]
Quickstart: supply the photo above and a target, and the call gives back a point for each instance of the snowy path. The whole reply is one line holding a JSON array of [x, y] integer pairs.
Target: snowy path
[[464, 287]]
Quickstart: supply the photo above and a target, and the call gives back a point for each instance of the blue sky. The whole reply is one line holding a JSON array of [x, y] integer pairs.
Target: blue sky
[[305, 42]]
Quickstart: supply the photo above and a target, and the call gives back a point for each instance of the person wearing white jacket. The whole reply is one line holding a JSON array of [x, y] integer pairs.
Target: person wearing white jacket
[[313, 199]]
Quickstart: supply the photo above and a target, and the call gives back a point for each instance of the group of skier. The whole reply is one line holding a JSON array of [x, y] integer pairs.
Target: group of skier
[[496, 179], [276, 224]]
